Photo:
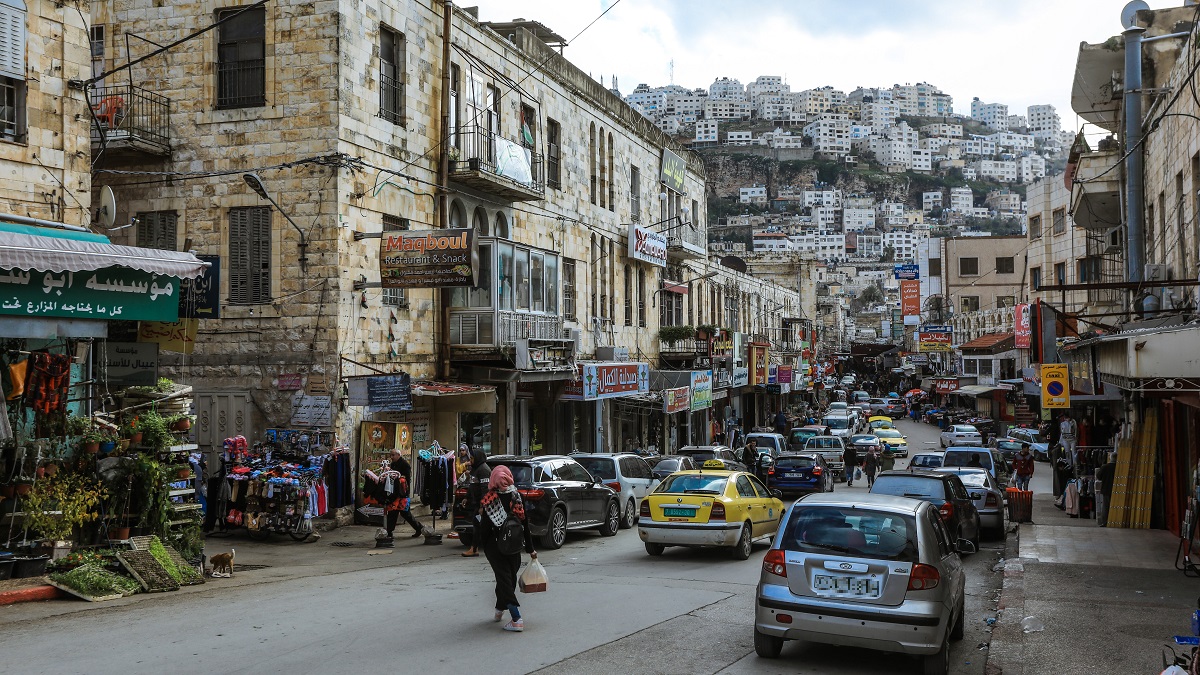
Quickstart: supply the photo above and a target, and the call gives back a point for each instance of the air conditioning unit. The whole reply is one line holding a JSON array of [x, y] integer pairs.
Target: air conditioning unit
[[1155, 273], [1114, 240]]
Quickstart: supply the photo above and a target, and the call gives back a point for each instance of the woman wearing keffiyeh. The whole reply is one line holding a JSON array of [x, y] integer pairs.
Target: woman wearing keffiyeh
[[501, 500]]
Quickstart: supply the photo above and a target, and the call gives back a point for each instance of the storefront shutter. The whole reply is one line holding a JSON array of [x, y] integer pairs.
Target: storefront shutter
[[12, 40]]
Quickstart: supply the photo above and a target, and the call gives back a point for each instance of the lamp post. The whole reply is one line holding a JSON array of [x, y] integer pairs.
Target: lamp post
[[255, 183]]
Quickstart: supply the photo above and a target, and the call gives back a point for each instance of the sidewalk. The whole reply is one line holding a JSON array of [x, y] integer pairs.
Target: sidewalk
[[346, 549], [1109, 598]]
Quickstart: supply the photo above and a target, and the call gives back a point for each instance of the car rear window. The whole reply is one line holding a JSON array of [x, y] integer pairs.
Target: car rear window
[[795, 463], [974, 479], [801, 435], [837, 422], [917, 487], [766, 443], [964, 459], [927, 460], [666, 464], [694, 482], [859, 532], [699, 456], [600, 467], [524, 474]]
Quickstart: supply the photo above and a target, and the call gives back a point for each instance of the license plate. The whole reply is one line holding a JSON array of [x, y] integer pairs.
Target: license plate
[[685, 513], [793, 475], [857, 586]]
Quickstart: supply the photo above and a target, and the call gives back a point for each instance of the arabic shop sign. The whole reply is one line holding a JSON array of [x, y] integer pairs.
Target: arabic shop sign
[[676, 400], [674, 171], [647, 245], [701, 389], [428, 259], [110, 293], [129, 364], [201, 298], [617, 379]]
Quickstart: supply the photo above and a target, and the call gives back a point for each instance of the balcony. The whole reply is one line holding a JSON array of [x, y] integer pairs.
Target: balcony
[[491, 329], [690, 347], [686, 240], [1097, 192], [500, 167], [132, 120]]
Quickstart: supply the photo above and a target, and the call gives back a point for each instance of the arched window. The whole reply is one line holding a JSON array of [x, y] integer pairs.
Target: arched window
[[501, 226], [603, 171], [480, 222], [612, 177], [458, 217], [592, 161]]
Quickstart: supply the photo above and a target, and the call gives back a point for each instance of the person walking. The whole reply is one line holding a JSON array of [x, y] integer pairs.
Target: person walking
[[399, 508], [1068, 435], [750, 454], [501, 502], [1023, 467], [781, 423], [887, 461], [850, 458], [871, 466], [476, 483]]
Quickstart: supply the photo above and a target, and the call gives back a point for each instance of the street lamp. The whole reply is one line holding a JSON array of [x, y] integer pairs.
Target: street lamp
[[255, 183]]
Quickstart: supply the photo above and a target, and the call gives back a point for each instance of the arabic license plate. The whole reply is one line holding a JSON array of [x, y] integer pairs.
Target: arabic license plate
[[867, 587], [793, 475], [685, 513]]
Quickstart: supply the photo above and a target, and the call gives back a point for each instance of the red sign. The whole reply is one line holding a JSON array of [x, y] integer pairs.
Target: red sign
[[1023, 326], [910, 297], [291, 382], [758, 363], [677, 400], [783, 375], [945, 385]]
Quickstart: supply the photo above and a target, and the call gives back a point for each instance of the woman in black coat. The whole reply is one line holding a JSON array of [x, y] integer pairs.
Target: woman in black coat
[[477, 486], [502, 501]]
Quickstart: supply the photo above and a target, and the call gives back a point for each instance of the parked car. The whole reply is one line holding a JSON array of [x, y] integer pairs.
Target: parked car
[[961, 434], [708, 508], [989, 458], [925, 460], [880, 422], [839, 424], [665, 465], [944, 490], [1037, 444], [877, 406], [859, 397], [559, 495], [801, 473], [699, 453], [895, 408], [895, 440], [987, 495], [1008, 446], [863, 571], [772, 444], [797, 437], [831, 449], [626, 473]]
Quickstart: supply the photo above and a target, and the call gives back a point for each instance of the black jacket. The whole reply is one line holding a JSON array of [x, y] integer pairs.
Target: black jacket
[[486, 531]]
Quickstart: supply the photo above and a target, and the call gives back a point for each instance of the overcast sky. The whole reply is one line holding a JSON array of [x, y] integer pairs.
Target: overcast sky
[[1019, 52]]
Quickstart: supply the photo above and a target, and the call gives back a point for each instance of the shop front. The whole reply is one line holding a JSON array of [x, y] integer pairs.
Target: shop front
[[616, 426]]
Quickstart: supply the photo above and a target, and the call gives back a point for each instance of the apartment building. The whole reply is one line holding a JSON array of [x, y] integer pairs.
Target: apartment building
[[726, 87], [993, 115], [1007, 140], [688, 103], [858, 219], [1003, 201], [961, 199], [931, 201], [707, 131], [1016, 122], [1004, 171], [942, 129], [830, 134], [903, 244], [1043, 121], [817, 102], [766, 86], [879, 114], [979, 274], [1030, 167], [755, 194], [720, 108], [738, 138]]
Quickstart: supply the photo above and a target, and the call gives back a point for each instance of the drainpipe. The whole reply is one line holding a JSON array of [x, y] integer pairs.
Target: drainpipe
[[1134, 232], [443, 204]]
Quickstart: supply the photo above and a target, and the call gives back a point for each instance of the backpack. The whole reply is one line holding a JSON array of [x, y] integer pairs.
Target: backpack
[[510, 536]]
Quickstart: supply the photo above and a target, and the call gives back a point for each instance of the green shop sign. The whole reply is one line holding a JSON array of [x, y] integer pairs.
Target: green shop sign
[[111, 293]]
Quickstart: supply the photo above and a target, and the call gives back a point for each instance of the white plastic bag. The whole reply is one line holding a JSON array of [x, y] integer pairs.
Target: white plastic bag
[[534, 579]]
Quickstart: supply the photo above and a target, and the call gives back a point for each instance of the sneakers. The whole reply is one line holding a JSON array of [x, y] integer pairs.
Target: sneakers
[[498, 616], [515, 626]]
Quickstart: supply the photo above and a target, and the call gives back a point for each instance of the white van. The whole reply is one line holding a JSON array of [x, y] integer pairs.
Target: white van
[[840, 424]]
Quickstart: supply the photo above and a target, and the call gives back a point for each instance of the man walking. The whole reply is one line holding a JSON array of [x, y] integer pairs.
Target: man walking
[[1023, 467], [871, 466], [850, 457], [750, 454]]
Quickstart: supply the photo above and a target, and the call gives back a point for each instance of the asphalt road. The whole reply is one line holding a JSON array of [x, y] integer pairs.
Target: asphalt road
[[610, 609]]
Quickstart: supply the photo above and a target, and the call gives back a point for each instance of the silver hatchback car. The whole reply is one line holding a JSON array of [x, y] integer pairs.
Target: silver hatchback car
[[866, 570]]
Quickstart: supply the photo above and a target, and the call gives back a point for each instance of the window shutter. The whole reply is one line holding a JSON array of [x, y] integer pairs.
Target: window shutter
[[260, 254], [157, 229], [12, 42], [239, 255]]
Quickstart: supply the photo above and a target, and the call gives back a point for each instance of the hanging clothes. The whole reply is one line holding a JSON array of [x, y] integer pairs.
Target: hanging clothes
[[47, 392]]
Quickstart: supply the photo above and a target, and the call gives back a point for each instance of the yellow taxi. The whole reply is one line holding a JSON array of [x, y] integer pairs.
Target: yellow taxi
[[709, 507], [893, 439], [880, 422]]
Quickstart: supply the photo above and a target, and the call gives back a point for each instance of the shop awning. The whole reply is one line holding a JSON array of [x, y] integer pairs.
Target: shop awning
[[430, 388], [22, 251], [976, 389], [456, 396]]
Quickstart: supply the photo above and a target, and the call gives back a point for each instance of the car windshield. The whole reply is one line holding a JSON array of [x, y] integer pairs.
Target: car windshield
[[863, 438], [974, 479], [838, 406], [801, 435], [699, 455], [666, 464], [889, 433], [837, 422], [858, 532], [694, 483], [795, 463], [927, 460], [600, 467], [918, 487], [967, 459]]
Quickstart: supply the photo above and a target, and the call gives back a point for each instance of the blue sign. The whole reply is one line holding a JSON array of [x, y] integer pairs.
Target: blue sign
[[937, 329], [907, 272]]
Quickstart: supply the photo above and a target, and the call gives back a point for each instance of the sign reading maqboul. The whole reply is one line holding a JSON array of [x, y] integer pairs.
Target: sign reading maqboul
[[428, 259], [110, 293], [647, 245], [674, 171]]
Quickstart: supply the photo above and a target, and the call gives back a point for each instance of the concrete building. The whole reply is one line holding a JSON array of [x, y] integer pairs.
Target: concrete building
[[979, 274], [756, 194], [993, 115], [1031, 167], [707, 131], [858, 219], [725, 87], [1003, 171], [830, 134], [942, 129], [1004, 202], [961, 199], [738, 138], [720, 108], [931, 201], [1044, 122]]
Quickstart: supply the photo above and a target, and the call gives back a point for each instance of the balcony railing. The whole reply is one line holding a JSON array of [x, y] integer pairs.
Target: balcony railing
[[241, 84], [391, 99], [497, 165], [131, 117], [691, 346], [488, 328]]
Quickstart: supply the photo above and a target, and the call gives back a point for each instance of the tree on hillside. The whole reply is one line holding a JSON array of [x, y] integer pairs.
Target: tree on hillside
[[889, 254], [870, 296]]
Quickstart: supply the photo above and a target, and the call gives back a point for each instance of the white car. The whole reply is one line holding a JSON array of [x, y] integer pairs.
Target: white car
[[961, 434], [628, 474]]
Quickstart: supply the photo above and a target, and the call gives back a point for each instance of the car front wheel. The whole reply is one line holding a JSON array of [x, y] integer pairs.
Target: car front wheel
[[631, 515], [612, 520], [767, 646], [556, 534]]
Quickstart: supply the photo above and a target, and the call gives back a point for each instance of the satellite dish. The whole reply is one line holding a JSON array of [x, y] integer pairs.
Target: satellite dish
[[1129, 14], [108, 207]]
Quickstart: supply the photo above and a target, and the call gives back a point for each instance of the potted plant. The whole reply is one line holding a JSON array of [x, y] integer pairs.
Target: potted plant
[[452, 155], [77, 426], [183, 472], [181, 423], [73, 496], [91, 439], [676, 333], [108, 442], [155, 431], [118, 489], [131, 431], [706, 331], [164, 385]]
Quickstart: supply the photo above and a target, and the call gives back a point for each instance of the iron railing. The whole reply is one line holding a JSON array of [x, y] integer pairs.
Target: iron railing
[[687, 346], [242, 84], [501, 328], [481, 149], [126, 112], [391, 99]]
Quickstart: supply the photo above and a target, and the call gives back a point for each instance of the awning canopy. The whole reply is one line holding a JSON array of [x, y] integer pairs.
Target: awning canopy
[[430, 388], [53, 254], [976, 389]]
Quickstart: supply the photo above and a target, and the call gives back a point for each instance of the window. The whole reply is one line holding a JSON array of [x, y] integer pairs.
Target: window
[[635, 195], [612, 176], [156, 229], [1060, 221], [1035, 278], [250, 255], [603, 169], [628, 295], [970, 367], [568, 289], [592, 162], [553, 154], [1060, 273], [393, 223], [935, 267], [521, 278], [1181, 245], [641, 299], [968, 267], [391, 75], [1035, 227], [985, 366], [395, 297], [12, 72], [504, 255], [479, 222], [1005, 265], [97, 38], [528, 126], [455, 85], [970, 303], [12, 109], [1087, 270], [242, 58]]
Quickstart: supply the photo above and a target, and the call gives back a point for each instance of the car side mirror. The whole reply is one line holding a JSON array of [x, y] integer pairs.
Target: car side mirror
[[778, 494], [965, 546], [976, 495]]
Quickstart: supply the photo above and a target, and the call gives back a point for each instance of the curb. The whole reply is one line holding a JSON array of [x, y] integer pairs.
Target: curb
[[1005, 647], [30, 594]]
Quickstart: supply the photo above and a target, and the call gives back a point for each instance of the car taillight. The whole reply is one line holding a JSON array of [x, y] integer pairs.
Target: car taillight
[[532, 494], [460, 492], [644, 512], [946, 511], [775, 563], [816, 471], [924, 577], [992, 500], [718, 511], [614, 485]]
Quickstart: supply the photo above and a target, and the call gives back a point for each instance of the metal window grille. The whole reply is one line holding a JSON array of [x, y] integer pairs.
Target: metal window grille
[[241, 60], [568, 289], [250, 255], [395, 297], [391, 75], [553, 154], [157, 229]]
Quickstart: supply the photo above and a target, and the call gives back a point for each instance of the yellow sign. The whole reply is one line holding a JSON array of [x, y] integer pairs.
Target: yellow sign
[[1056, 386], [175, 336], [713, 464]]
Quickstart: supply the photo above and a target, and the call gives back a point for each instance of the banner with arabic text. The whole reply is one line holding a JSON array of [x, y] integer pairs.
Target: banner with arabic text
[[110, 293]]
